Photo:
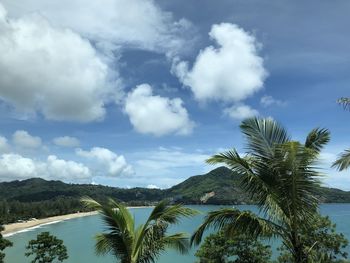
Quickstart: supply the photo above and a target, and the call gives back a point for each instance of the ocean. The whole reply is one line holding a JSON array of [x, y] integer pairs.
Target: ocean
[[78, 234]]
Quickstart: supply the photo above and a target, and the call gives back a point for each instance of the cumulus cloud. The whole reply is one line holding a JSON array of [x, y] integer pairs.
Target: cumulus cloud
[[231, 71], [113, 164], [50, 70], [152, 114], [120, 23], [240, 112], [66, 141], [15, 166], [267, 101], [24, 140]]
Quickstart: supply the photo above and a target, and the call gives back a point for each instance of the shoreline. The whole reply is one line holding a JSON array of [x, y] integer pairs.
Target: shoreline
[[15, 228]]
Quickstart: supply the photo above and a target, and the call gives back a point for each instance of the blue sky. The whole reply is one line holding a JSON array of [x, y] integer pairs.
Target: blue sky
[[140, 92]]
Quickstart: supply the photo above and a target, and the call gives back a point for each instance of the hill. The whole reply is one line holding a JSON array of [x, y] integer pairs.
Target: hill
[[220, 184], [40, 198]]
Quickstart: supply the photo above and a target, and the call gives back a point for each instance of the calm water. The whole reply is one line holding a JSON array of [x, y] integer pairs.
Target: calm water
[[78, 234]]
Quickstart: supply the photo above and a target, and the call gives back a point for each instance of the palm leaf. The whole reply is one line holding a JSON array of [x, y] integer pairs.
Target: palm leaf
[[343, 162], [345, 102], [262, 135], [236, 221], [317, 138]]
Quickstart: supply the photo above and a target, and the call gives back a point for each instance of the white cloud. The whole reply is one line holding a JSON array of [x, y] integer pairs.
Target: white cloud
[[50, 70], [15, 166], [66, 141], [113, 164], [240, 112], [24, 140], [231, 72], [152, 114], [4, 146], [118, 23], [267, 101], [152, 186]]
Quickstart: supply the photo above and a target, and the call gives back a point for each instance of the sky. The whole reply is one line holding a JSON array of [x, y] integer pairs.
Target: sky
[[133, 93]]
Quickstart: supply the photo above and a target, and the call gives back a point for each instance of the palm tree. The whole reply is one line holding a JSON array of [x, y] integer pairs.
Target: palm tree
[[343, 162], [146, 242], [280, 176]]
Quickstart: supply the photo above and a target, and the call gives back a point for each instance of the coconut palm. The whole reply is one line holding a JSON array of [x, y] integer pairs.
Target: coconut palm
[[144, 243], [280, 176], [343, 162]]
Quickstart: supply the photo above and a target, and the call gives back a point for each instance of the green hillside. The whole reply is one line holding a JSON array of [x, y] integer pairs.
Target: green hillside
[[40, 198], [220, 181]]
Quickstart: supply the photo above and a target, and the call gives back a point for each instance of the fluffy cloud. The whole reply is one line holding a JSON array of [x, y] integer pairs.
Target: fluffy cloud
[[15, 166], [232, 71], [24, 140], [267, 101], [130, 23], [66, 141], [151, 114], [240, 112], [50, 70], [108, 160]]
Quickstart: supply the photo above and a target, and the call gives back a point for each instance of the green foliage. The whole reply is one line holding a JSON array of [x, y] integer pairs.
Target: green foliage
[[4, 243], [218, 248], [140, 244], [46, 249], [281, 175], [343, 162], [321, 243], [345, 102]]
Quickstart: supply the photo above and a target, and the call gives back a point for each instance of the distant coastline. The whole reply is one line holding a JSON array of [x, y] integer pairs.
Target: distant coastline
[[14, 228]]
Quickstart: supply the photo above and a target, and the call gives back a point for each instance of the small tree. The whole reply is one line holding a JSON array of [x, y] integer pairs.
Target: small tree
[[217, 248], [46, 249], [4, 243], [322, 243]]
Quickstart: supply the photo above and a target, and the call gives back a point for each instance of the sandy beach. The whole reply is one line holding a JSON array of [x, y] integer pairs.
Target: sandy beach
[[15, 227]]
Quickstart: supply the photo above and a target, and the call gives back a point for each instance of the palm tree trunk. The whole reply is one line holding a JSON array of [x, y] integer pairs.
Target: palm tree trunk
[[298, 250]]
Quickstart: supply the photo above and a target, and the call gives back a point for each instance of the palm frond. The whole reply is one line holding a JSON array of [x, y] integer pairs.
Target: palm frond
[[178, 241], [236, 221], [299, 183], [262, 135], [256, 180], [345, 102], [317, 139], [119, 223], [163, 212], [343, 162]]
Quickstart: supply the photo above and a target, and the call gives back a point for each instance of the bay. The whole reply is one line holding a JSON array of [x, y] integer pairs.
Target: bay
[[78, 234]]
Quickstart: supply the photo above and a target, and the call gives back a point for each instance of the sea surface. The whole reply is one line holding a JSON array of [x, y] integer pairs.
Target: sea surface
[[78, 234]]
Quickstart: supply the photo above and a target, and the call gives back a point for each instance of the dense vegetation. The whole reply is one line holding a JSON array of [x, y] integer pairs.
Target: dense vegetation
[[217, 248], [38, 198], [46, 248], [4, 243]]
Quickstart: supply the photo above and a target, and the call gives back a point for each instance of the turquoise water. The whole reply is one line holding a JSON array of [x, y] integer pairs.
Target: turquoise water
[[78, 234]]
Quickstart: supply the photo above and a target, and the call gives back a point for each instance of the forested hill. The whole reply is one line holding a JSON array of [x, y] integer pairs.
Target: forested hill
[[40, 198]]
